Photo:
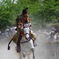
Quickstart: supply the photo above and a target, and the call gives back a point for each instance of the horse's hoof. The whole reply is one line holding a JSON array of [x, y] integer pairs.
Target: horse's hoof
[[33, 57], [24, 55], [35, 45], [32, 49]]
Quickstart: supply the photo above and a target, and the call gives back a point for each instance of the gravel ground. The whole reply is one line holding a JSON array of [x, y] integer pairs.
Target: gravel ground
[[44, 50]]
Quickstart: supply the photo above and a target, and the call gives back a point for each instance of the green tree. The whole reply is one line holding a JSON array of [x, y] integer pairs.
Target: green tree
[[41, 11]]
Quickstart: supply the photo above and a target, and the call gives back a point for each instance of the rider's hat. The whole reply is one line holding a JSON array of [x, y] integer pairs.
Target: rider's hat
[[24, 11]]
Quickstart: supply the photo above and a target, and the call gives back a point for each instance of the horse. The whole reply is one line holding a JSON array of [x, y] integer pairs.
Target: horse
[[26, 48], [26, 44]]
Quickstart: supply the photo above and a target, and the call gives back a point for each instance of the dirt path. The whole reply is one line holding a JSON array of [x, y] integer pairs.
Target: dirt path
[[44, 50]]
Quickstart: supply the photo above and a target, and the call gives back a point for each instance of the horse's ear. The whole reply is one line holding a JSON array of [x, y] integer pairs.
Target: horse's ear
[[8, 47]]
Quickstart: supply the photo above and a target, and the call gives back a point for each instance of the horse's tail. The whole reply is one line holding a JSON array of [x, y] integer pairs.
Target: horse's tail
[[9, 44]]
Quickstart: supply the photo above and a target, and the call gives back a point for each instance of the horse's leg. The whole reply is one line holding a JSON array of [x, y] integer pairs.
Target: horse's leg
[[32, 48], [21, 56], [31, 42], [33, 53], [24, 56], [28, 56]]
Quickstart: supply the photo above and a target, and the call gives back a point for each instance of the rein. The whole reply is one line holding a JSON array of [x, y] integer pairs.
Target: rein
[[26, 39]]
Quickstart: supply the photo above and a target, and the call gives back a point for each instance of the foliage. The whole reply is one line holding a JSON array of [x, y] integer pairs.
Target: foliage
[[41, 11]]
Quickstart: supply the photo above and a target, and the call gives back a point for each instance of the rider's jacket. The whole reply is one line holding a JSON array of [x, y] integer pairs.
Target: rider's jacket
[[21, 22]]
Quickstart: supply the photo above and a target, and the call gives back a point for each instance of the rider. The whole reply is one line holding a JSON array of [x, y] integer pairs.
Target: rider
[[20, 21]]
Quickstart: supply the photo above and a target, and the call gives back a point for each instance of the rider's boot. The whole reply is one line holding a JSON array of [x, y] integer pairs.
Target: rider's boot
[[34, 43], [18, 48]]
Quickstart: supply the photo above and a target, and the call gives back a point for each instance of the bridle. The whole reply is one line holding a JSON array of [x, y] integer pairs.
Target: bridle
[[26, 34]]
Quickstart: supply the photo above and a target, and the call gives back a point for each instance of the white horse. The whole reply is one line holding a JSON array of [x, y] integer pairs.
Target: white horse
[[26, 48], [26, 44]]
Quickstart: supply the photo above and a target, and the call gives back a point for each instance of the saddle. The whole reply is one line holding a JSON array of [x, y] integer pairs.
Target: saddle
[[15, 37]]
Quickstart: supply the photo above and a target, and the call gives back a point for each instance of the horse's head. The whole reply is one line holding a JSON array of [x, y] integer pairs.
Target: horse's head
[[27, 30]]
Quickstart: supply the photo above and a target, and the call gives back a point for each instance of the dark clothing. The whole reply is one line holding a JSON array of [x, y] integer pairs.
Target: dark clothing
[[18, 30], [19, 39], [19, 19]]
